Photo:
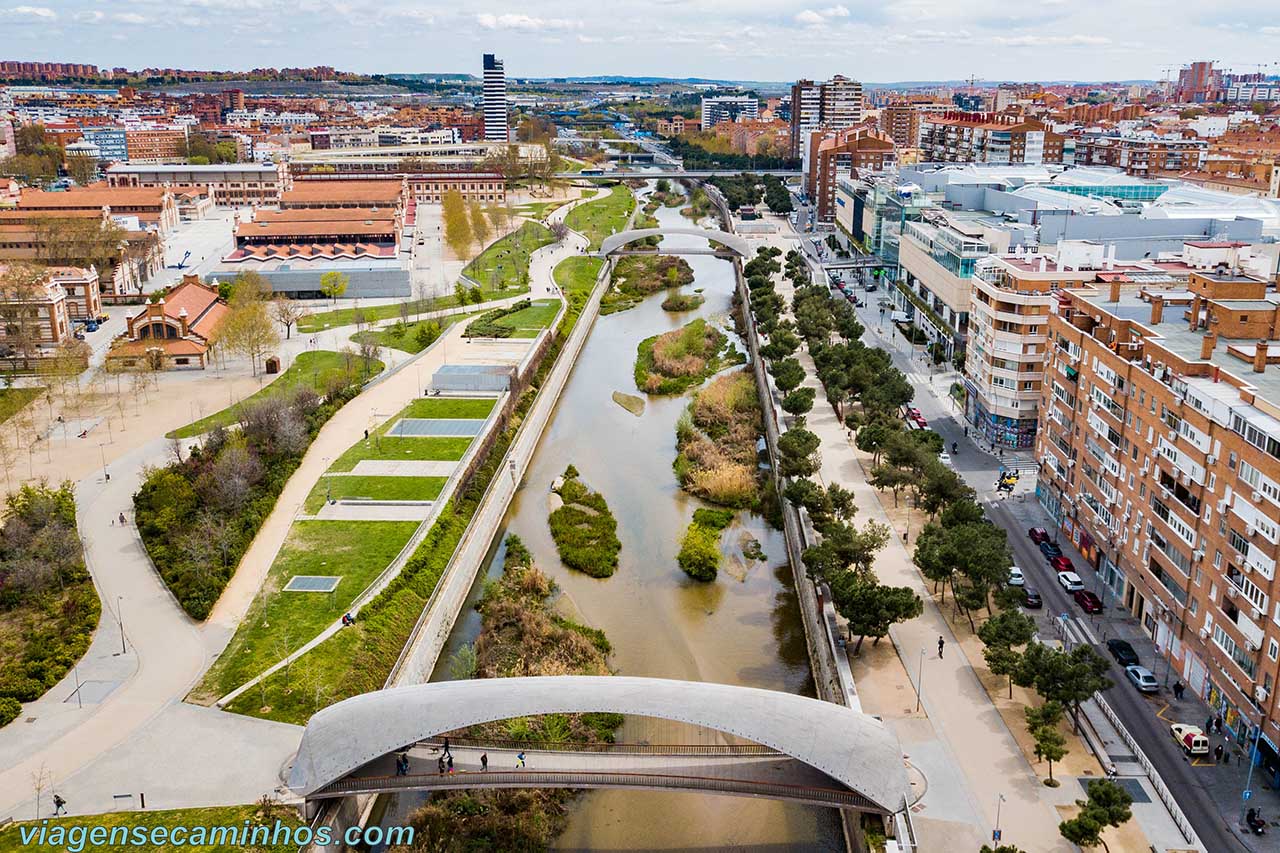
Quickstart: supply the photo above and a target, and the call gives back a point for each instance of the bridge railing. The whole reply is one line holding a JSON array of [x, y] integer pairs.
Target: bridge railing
[[594, 779], [610, 748]]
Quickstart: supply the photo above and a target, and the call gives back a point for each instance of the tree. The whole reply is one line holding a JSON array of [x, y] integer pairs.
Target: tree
[[479, 225], [1052, 746], [798, 401], [82, 168], [1003, 634], [78, 241], [787, 374], [20, 287], [248, 328], [1107, 805], [457, 227], [1003, 848], [333, 284], [799, 451], [870, 607], [1065, 677], [287, 312]]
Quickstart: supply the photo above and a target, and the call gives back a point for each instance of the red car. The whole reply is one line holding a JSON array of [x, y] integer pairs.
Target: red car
[[1062, 563], [1038, 534], [1088, 602]]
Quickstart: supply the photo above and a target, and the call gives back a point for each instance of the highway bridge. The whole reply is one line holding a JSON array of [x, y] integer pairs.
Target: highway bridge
[[802, 750]]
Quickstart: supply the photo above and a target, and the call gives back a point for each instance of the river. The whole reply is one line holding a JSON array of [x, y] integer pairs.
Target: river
[[743, 628]]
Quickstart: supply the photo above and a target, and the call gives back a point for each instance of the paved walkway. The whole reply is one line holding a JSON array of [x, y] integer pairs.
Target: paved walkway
[[348, 510], [405, 468]]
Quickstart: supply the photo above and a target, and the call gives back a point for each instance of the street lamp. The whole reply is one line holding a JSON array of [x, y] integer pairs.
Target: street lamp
[[120, 622], [920, 680], [995, 836], [102, 450], [1248, 782]]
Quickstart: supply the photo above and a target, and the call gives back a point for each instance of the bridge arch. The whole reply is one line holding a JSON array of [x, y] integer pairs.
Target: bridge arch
[[732, 242], [854, 749]]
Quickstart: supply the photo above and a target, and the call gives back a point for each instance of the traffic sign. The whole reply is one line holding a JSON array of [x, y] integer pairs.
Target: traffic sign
[[1246, 794]]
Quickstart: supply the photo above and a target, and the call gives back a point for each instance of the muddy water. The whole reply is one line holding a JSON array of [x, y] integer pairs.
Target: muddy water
[[743, 628]]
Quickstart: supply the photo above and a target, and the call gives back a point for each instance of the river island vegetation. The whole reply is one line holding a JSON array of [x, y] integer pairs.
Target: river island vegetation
[[674, 362], [584, 530]]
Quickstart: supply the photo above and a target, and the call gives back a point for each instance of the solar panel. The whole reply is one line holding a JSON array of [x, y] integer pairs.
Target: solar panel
[[462, 427], [312, 583]]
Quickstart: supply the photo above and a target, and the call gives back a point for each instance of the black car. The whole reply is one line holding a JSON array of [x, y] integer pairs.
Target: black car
[[1122, 652], [1031, 599], [1050, 550]]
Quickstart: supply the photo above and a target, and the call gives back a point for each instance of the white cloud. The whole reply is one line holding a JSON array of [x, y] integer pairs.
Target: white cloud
[[526, 23], [811, 18], [129, 18], [88, 17], [28, 14], [1051, 41], [589, 39]]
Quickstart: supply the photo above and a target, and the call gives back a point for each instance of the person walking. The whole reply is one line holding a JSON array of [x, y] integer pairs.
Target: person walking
[[440, 765], [446, 748], [520, 758], [1177, 689], [484, 761], [59, 805], [450, 765], [1217, 753], [941, 643]]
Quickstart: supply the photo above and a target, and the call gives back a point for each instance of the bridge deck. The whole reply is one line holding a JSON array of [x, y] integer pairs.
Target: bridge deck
[[744, 771]]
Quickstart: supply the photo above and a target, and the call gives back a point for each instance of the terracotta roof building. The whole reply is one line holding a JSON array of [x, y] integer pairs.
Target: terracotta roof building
[[153, 206], [175, 331], [342, 193]]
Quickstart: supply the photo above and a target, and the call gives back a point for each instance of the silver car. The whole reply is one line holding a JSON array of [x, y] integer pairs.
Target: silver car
[[1142, 678]]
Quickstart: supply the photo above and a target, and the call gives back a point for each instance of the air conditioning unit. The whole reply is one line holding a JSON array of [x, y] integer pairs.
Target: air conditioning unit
[[1255, 614], [1261, 694], [1211, 460], [1198, 555], [1173, 435], [1204, 633], [1232, 592], [1250, 530], [1146, 466], [1246, 568], [1221, 507], [1248, 644], [1255, 496]]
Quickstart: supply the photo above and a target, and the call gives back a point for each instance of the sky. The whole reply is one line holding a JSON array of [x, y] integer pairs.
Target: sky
[[869, 40]]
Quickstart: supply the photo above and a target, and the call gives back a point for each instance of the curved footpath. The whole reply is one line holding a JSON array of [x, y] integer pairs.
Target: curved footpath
[[133, 734]]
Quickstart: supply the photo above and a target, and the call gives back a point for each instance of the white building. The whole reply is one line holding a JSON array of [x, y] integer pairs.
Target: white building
[[728, 108], [495, 99]]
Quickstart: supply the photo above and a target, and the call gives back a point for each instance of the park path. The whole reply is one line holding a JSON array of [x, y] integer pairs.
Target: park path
[[964, 749]]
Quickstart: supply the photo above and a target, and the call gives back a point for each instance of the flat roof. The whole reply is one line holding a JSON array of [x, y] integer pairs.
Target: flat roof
[[194, 167], [319, 191]]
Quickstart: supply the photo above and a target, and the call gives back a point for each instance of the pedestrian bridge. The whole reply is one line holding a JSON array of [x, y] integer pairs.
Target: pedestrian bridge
[[614, 244], [802, 750]]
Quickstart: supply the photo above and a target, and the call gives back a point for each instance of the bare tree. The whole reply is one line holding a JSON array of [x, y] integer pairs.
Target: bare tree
[[248, 331], [40, 780], [21, 285], [287, 312]]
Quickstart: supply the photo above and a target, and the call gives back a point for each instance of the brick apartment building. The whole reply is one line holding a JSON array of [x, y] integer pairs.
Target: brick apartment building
[[900, 120], [860, 148], [156, 145], [235, 184], [1159, 448], [964, 137], [1141, 155]]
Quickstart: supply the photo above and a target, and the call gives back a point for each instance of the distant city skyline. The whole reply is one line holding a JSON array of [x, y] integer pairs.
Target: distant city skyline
[[1089, 40]]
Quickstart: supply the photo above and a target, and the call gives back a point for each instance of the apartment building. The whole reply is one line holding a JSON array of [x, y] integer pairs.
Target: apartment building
[[830, 105], [1141, 154], [235, 184], [156, 145], [727, 108], [829, 154], [1160, 453], [674, 126], [963, 137], [900, 120], [495, 99]]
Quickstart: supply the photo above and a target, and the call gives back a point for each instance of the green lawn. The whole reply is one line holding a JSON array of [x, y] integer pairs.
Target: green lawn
[[228, 816], [503, 268], [598, 219], [13, 399], [577, 274], [280, 622], [527, 322], [374, 488], [322, 320], [474, 408], [313, 369], [405, 337], [539, 209]]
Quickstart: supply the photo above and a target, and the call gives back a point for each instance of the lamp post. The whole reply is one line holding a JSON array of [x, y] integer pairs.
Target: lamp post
[[102, 450], [995, 836], [920, 680], [120, 622], [1248, 782]]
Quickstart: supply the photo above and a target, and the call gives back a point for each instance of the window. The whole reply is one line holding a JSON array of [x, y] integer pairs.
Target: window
[[1273, 649]]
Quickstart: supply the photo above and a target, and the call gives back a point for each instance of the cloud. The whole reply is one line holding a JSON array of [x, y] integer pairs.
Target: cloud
[[589, 39], [1077, 40], [812, 18], [129, 18], [88, 17], [28, 14], [525, 23]]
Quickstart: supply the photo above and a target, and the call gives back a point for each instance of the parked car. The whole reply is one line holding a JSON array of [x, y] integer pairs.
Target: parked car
[[1038, 535], [1070, 581], [1122, 652], [912, 413], [1031, 599], [1191, 738], [921, 422], [944, 457], [1015, 577], [1050, 550], [1142, 678], [1088, 602], [1062, 563]]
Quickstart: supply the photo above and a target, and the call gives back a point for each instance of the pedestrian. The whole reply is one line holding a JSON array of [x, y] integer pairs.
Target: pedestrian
[[941, 643], [484, 761], [59, 805], [520, 758], [366, 435], [122, 521], [1177, 689], [446, 748], [450, 765], [1217, 724], [1208, 726], [440, 765], [1217, 753]]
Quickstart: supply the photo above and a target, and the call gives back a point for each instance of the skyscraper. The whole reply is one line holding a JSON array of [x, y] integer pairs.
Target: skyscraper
[[831, 105], [495, 99]]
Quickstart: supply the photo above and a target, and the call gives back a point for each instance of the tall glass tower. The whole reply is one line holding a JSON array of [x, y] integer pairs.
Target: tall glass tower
[[495, 99]]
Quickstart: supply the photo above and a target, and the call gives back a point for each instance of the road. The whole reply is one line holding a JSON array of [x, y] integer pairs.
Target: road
[[980, 469]]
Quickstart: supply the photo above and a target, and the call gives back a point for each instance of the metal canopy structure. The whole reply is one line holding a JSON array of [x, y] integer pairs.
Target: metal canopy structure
[[731, 242], [853, 749]]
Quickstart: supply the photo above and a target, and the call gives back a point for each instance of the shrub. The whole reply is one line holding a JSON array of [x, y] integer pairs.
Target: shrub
[[10, 710], [700, 552], [584, 530], [486, 325]]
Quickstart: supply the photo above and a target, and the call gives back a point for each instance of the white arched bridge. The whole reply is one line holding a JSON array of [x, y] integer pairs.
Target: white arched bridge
[[615, 244], [802, 750]]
